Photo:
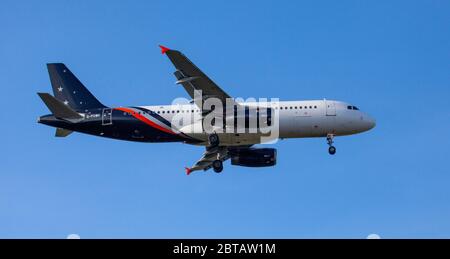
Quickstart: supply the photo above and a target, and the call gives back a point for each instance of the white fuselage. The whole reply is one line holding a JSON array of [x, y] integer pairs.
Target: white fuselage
[[297, 119]]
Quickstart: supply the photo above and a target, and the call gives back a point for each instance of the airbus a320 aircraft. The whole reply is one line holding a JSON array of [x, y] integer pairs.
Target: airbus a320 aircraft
[[226, 127]]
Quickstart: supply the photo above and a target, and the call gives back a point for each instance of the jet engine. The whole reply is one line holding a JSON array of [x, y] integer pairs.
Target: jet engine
[[254, 157]]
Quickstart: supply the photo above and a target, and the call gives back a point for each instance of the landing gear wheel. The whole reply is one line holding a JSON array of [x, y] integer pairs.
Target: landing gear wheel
[[217, 166], [213, 140], [332, 150]]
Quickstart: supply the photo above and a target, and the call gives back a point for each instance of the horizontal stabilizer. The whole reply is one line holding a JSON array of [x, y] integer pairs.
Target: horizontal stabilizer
[[59, 109], [60, 132]]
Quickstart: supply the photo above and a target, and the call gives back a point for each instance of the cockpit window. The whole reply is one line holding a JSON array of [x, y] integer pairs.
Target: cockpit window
[[355, 108], [349, 107]]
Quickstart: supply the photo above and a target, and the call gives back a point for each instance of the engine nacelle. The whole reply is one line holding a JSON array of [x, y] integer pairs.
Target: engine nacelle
[[254, 157]]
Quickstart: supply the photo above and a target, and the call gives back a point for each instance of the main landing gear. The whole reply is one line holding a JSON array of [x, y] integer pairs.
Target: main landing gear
[[213, 140], [217, 166], [331, 149]]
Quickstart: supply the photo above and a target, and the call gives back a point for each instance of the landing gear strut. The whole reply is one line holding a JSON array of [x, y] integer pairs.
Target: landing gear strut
[[331, 149], [217, 166], [213, 140]]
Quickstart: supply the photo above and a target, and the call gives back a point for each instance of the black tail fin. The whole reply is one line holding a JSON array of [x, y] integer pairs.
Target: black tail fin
[[69, 90]]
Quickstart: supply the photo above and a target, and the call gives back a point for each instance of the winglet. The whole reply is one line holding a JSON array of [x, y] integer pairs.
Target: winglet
[[188, 170], [163, 49]]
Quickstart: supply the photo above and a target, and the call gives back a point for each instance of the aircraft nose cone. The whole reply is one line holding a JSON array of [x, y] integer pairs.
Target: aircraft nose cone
[[370, 122]]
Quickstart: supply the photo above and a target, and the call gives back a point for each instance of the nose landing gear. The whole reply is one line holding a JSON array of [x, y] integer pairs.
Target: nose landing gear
[[331, 149]]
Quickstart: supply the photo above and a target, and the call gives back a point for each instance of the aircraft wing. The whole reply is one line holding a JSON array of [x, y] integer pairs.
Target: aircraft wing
[[208, 157], [192, 78]]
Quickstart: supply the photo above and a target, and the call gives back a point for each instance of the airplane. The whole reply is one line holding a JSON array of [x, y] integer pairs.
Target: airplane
[[230, 134]]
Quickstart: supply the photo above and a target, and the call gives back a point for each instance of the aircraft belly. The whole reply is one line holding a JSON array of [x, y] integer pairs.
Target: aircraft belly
[[237, 139]]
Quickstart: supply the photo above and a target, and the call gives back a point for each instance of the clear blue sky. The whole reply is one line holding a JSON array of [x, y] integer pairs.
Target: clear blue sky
[[390, 58]]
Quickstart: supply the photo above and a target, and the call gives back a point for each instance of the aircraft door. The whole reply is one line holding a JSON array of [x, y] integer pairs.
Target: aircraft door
[[107, 116], [330, 108]]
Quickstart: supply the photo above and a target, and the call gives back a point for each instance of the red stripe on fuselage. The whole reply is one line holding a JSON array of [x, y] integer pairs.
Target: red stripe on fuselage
[[144, 119]]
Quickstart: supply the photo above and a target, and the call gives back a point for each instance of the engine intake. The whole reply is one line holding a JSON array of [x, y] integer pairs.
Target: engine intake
[[254, 157]]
